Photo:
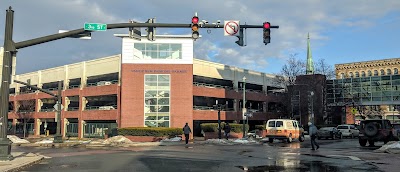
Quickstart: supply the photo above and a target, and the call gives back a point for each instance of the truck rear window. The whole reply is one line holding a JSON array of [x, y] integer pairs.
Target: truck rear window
[[271, 124], [342, 127], [279, 123]]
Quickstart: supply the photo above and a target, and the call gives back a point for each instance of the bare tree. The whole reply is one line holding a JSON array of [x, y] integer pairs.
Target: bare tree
[[25, 111], [290, 71], [321, 67]]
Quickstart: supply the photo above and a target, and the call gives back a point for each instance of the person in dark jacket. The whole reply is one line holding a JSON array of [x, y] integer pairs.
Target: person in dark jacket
[[227, 130], [186, 130], [312, 129]]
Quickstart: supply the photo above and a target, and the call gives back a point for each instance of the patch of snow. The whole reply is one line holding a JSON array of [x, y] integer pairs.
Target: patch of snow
[[117, 140], [45, 141], [391, 147], [16, 139], [244, 141], [217, 141], [175, 139]]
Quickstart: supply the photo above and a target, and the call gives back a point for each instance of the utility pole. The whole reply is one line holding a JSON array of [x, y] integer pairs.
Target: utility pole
[[244, 106], [58, 136], [9, 51]]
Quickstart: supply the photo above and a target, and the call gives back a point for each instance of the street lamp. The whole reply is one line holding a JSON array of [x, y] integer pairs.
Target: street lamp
[[312, 106], [219, 107], [244, 106]]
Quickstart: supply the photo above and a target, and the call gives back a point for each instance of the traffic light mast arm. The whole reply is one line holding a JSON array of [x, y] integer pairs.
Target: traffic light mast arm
[[37, 88], [57, 36]]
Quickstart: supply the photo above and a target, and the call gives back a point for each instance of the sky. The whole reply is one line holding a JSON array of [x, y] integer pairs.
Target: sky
[[341, 31]]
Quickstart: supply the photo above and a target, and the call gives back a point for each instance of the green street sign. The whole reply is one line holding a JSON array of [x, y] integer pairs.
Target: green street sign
[[95, 26]]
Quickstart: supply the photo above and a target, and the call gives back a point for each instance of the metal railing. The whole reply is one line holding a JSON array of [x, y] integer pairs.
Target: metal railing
[[47, 110], [73, 86], [110, 107], [73, 109], [212, 85], [102, 83], [210, 108]]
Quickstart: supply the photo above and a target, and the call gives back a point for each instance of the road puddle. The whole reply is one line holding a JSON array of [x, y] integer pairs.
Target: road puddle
[[309, 166]]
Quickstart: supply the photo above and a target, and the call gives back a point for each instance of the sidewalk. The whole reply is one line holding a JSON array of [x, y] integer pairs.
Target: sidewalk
[[20, 160]]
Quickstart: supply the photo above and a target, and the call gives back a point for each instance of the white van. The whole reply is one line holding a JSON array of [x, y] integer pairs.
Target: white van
[[284, 129]]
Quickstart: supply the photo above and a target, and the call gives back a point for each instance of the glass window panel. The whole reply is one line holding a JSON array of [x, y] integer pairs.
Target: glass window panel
[[164, 84], [150, 116], [164, 54], [151, 101], [163, 101], [150, 123], [139, 46], [163, 78], [163, 123], [362, 74], [152, 78], [388, 72], [148, 109], [395, 71], [164, 47], [150, 93], [163, 93], [176, 47], [369, 73], [151, 47], [163, 108], [382, 72], [163, 116], [151, 84]]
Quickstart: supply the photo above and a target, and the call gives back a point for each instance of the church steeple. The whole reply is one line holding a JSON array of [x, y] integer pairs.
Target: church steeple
[[310, 63]]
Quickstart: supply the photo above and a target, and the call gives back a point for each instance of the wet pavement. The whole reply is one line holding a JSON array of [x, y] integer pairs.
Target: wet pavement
[[334, 155]]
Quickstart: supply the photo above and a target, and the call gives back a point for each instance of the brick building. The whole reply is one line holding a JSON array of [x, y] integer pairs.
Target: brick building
[[157, 84]]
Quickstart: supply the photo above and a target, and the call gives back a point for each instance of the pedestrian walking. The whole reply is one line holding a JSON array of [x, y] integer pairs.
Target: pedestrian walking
[[187, 131], [227, 130], [312, 129]]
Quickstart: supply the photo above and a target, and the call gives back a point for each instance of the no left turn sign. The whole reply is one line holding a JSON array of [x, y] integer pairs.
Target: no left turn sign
[[231, 27]]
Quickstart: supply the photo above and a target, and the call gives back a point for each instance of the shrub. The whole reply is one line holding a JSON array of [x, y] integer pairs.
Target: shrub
[[150, 131], [213, 127], [260, 127]]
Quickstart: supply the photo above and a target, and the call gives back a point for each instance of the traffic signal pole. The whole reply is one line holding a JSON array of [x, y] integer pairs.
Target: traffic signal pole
[[9, 51]]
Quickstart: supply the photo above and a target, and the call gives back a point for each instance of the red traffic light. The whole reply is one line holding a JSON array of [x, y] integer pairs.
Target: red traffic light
[[195, 20], [266, 25]]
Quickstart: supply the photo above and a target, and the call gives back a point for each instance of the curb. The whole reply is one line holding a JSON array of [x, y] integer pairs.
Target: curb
[[24, 165]]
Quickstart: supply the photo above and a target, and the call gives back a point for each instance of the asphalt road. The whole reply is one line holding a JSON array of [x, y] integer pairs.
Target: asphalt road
[[334, 155]]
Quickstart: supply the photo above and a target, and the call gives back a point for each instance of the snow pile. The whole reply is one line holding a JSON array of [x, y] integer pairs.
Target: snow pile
[[117, 140], [175, 139], [217, 141], [244, 141], [391, 147], [45, 141], [16, 139]]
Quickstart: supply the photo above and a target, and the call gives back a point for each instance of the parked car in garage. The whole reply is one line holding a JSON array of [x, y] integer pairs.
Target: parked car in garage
[[348, 130], [329, 132]]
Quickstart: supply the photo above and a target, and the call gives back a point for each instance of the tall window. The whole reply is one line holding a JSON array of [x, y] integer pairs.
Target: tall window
[[375, 73], [369, 73], [382, 72], [351, 74], [357, 74], [157, 100], [396, 71], [362, 74], [342, 75], [157, 51], [388, 72]]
